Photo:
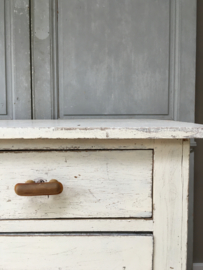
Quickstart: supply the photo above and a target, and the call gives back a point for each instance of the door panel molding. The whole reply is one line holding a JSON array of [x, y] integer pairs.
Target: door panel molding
[[44, 59], [3, 105], [15, 92], [117, 63]]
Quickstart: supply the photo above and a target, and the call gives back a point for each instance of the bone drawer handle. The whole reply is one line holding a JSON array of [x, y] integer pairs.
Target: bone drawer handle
[[30, 188]]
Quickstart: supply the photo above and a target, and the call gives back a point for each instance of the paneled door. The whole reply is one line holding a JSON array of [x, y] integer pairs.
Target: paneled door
[[15, 87], [113, 58], [101, 58]]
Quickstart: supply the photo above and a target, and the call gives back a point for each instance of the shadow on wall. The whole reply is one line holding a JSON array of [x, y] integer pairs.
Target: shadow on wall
[[198, 179]]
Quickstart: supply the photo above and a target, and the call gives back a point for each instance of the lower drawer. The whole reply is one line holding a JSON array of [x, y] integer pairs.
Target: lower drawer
[[78, 252]]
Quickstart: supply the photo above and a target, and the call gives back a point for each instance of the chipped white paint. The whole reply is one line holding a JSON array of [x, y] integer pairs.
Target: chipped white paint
[[98, 129], [96, 184], [129, 160], [76, 225], [76, 252], [62, 144], [185, 200], [171, 163]]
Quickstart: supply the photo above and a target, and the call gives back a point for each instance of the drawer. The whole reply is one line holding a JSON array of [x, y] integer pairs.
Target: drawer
[[84, 252], [96, 184]]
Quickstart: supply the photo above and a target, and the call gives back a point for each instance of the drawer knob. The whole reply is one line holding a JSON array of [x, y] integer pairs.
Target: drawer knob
[[30, 188]]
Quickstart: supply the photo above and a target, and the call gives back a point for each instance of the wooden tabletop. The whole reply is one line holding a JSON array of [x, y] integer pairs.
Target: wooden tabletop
[[99, 129]]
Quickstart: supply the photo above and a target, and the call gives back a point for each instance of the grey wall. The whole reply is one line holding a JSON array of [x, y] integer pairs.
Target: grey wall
[[198, 184]]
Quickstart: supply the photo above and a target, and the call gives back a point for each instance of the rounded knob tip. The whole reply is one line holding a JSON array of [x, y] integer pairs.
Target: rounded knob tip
[[30, 181]]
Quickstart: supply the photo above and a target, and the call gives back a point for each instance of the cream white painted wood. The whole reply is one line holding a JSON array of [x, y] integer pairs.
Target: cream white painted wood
[[96, 184], [171, 163], [76, 252], [99, 129], [185, 199], [76, 225], [61, 144], [170, 195]]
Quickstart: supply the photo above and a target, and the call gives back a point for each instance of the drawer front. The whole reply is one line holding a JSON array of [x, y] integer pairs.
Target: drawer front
[[76, 252], [104, 184]]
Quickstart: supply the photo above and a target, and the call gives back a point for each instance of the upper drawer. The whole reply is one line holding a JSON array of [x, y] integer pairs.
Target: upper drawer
[[104, 184]]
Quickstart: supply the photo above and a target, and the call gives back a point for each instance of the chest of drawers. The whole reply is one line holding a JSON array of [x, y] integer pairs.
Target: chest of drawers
[[124, 201]]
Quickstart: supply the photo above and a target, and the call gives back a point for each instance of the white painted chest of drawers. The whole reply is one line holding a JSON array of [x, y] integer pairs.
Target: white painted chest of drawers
[[124, 201]]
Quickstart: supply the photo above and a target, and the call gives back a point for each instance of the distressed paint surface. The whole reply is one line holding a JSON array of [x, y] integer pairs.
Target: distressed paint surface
[[185, 205], [99, 129], [170, 199], [62, 144], [170, 204], [95, 184], [76, 252], [76, 225]]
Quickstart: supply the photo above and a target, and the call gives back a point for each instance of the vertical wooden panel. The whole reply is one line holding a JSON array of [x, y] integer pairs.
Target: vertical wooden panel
[[171, 165], [21, 87], [15, 89], [42, 78], [186, 104], [2, 62]]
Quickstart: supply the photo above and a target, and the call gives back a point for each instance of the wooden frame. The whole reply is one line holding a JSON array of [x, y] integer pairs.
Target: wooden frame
[[170, 199], [15, 75]]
